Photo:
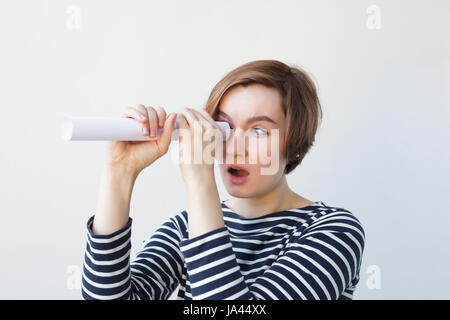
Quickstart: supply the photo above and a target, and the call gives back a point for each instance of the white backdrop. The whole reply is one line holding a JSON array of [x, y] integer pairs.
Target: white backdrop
[[383, 74]]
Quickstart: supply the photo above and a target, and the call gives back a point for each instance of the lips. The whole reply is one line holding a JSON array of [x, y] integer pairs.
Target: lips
[[237, 171]]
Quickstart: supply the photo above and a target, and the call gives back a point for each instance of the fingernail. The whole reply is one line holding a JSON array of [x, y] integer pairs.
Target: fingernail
[[145, 130], [153, 132], [142, 117]]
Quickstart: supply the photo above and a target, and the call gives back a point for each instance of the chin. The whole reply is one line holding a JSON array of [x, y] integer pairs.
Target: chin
[[239, 193], [246, 190]]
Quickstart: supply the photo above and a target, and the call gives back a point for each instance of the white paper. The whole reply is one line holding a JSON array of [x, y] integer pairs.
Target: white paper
[[115, 129]]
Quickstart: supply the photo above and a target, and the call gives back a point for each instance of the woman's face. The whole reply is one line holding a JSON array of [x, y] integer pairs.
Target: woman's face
[[258, 128]]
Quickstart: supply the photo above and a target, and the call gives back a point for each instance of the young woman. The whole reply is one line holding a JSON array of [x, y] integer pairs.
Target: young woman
[[265, 241]]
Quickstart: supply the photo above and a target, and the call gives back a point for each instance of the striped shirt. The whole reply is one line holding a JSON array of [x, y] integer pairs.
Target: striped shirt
[[313, 252]]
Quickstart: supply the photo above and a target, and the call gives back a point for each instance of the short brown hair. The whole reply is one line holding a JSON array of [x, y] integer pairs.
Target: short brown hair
[[300, 102]]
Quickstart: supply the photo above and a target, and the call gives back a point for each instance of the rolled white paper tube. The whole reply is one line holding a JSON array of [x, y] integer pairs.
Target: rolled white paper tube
[[115, 129]]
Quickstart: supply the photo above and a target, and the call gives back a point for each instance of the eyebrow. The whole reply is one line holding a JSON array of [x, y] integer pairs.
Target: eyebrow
[[249, 120]]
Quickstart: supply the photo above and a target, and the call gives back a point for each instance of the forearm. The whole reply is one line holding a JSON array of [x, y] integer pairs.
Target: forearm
[[204, 208], [113, 205]]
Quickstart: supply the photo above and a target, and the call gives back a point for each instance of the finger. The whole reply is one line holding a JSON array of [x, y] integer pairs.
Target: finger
[[193, 112], [207, 117], [161, 113], [209, 124], [138, 115], [167, 130], [189, 116], [183, 126], [132, 113], [198, 122], [189, 125], [152, 120], [148, 114], [182, 121]]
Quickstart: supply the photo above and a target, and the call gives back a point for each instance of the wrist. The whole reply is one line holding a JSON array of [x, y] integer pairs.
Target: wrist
[[120, 172], [206, 182], [119, 181]]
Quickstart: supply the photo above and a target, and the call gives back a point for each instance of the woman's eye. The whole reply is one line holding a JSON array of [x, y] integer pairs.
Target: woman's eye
[[260, 131]]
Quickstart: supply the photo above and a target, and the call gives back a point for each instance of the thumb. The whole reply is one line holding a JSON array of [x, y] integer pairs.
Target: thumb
[[167, 130]]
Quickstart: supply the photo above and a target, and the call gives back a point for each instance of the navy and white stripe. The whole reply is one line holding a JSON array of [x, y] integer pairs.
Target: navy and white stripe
[[313, 252]]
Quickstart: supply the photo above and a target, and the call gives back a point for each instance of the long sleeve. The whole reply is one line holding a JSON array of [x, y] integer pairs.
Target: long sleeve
[[320, 261], [153, 275]]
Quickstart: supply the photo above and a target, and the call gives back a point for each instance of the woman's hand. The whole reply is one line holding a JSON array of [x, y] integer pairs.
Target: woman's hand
[[199, 135], [134, 156]]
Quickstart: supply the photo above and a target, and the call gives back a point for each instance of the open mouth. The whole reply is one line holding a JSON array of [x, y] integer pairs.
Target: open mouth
[[238, 171]]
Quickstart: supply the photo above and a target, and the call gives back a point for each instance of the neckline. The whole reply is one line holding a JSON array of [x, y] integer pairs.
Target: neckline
[[305, 208]]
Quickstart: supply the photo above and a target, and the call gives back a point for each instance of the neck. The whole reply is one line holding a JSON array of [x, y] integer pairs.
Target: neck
[[279, 198]]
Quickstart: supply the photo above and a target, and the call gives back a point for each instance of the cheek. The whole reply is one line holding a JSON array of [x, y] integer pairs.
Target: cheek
[[265, 148]]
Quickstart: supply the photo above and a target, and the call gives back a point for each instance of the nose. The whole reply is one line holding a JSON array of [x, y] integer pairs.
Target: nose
[[236, 145]]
